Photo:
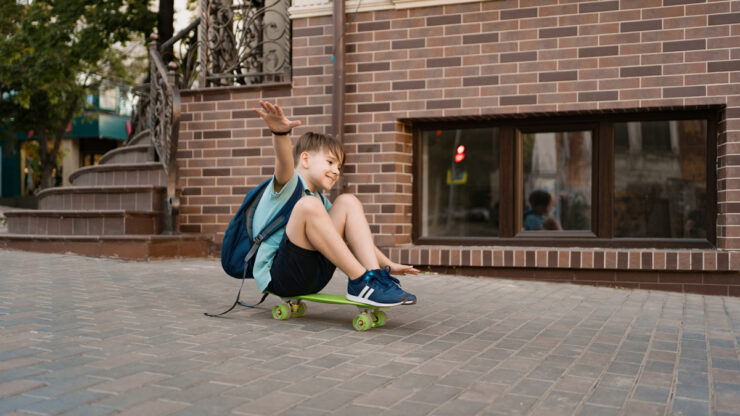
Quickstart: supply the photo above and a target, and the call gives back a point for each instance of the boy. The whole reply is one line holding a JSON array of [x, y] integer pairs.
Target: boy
[[319, 236], [538, 217]]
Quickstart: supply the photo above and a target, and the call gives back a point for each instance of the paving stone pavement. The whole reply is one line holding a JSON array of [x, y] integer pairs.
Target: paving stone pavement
[[88, 336]]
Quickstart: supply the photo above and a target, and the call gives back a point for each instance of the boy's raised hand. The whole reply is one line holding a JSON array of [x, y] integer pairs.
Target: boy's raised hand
[[274, 118]]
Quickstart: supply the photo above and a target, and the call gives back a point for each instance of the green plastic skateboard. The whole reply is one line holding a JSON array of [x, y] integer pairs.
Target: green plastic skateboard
[[369, 317]]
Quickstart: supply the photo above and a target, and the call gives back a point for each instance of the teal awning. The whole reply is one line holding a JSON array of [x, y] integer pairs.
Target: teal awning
[[99, 125]]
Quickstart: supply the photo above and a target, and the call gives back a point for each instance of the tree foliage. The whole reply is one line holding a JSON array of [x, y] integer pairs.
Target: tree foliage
[[52, 53]]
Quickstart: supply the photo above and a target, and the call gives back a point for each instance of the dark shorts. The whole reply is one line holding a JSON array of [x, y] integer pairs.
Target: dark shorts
[[296, 271]]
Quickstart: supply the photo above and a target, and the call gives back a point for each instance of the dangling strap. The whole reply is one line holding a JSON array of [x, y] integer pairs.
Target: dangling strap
[[237, 301]]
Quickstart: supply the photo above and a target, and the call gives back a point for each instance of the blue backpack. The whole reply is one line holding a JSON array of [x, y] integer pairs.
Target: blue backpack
[[239, 247]]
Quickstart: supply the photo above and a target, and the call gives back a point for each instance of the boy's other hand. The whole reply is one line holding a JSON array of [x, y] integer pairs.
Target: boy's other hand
[[402, 269], [274, 117]]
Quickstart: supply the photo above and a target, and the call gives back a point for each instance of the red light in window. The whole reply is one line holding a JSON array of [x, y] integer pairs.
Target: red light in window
[[460, 155]]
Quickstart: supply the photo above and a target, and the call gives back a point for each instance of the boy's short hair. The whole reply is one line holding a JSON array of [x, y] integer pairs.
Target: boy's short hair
[[315, 142], [539, 198]]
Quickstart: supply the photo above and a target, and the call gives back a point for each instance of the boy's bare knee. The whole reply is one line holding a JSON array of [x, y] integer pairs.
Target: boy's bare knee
[[349, 201], [309, 205]]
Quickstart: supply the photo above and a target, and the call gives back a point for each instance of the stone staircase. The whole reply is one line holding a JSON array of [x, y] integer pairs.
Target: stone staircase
[[113, 209]]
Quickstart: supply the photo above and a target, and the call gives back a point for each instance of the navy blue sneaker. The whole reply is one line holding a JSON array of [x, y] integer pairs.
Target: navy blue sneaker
[[386, 273], [373, 288]]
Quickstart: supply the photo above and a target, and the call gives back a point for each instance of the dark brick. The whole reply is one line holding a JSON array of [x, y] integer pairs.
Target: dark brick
[[684, 45], [305, 111], [640, 71], [409, 85], [481, 38], [216, 96], [368, 189], [439, 104], [276, 92], [598, 6], [552, 259], [676, 92], [191, 191], [647, 260], [443, 62], [518, 13], [217, 172], [246, 152], [697, 261], [519, 57], [529, 258], [598, 96], [640, 26], [575, 259], [723, 261], [508, 258], [370, 108], [476, 81], [558, 76], [308, 31], [216, 209], [519, 100], [373, 26], [373, 66], [677, 2], [217, 134], [724, 19], [409, 43], [622, 260], [598, 51], [368, 148], [558, 32], [451, 19], [308, 70], [598, 260], [723, 66], [671, 261], [244, 114]]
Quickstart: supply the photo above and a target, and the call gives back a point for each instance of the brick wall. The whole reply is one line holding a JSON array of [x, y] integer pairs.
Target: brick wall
[[477, 59]]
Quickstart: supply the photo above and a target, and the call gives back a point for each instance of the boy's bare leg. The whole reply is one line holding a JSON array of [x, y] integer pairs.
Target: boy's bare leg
[[311, 228], [350, 222]]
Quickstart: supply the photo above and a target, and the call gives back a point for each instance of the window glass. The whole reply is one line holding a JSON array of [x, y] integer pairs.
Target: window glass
[[460, 179], [660, 179], [556, 175]]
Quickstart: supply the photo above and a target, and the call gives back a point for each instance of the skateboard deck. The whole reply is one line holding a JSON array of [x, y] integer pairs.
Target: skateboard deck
[[369, 317]]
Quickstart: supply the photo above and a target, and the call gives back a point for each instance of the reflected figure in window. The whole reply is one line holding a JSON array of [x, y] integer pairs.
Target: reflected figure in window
[[538, 217]]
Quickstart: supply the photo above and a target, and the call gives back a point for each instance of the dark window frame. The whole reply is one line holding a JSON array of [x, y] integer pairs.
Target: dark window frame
[[602, 126]]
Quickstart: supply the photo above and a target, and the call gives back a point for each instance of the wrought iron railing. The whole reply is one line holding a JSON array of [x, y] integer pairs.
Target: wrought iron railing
[[245, 42], [164, 122], [233, 42]]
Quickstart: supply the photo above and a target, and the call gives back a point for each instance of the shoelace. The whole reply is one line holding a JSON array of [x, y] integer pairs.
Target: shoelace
[[380, 278], [387, 274]]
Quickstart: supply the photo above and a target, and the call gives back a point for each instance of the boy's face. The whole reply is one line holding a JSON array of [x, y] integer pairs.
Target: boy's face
[[322, 169]]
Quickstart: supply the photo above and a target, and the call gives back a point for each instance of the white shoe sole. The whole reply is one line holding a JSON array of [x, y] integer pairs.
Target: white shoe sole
[[369, 302]]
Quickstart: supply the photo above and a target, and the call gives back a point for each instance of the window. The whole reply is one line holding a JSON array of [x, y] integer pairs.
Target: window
[[627, 180]]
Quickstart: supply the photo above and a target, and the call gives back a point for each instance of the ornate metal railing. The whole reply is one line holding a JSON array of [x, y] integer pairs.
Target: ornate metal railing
[[164, 122], [233, 42], [244, 42]]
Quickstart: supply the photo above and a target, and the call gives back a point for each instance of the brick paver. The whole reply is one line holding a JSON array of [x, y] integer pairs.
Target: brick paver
[[98, 336]]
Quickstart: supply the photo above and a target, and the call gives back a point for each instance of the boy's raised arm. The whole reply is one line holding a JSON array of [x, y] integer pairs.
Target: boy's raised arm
[[280, 127]]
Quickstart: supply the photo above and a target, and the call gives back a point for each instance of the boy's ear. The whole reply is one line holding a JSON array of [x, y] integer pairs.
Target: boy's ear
[[303, 160]]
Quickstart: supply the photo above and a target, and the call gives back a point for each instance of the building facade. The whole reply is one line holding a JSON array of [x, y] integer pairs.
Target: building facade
[[622, 115]]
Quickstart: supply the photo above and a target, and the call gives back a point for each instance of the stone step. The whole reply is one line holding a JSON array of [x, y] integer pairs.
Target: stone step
[[133, 247], [93, 222], [150, 173], [142, 137], [131, 198], [139, 153]]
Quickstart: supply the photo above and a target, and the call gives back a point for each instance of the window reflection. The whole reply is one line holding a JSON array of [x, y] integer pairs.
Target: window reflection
[[460, 195], [660, 179], [557, 180]]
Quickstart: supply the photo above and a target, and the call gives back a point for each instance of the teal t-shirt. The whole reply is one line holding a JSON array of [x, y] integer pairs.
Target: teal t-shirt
[[269, 205]]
